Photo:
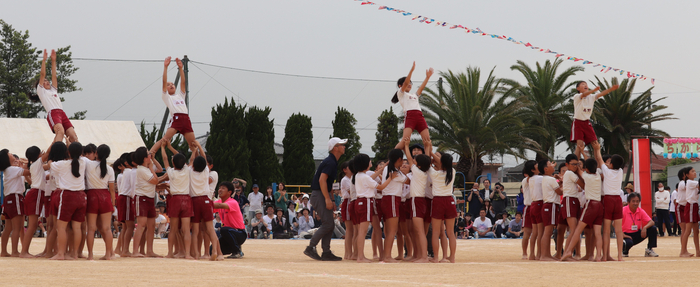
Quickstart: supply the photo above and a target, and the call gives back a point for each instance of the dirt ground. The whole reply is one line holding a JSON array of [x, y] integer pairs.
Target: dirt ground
[[487, 262]]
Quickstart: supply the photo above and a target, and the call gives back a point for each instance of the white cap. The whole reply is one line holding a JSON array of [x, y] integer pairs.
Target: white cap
[[334, 141]]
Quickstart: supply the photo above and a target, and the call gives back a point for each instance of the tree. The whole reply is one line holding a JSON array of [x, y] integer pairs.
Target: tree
[[298, 160], [387, 134], [619, 116], [227, 143], [472, 122], [19, 67], [344, 128], [264, 165], [663, 176], [547, 103], [150, 137]]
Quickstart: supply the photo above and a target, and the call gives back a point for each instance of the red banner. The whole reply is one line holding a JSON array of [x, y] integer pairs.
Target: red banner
[[642, 172]]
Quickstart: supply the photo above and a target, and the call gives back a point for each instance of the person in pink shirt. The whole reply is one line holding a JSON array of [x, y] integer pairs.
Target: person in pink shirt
[[637, 226], [232, 232]]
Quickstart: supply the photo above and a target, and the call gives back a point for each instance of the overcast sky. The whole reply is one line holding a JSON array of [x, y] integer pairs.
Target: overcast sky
[[343, 39]]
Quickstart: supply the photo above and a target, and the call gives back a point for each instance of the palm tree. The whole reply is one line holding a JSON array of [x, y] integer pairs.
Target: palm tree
[[473, 122], [547, 103], [619, 116]]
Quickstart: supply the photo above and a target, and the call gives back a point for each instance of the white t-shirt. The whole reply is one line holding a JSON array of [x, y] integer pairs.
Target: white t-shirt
[[408, 101], [345, 184], [214, 176], [199, 182], [66, 180], [536, 187], [124, 185], [581, 196], [419, 181], [662, 199], [132, 183], [143, 186], [583, 107], [179, 180], [674, 196], [406, 192], [549, 185], [612, 180], [255, 200], [484, 225], [377, 193], [429, 188], [353, 192], [439, 186], [49, 98], [365, 186], [395, 187], [593, 185], [268, 220], [13, 180], [680, 197], [93, 173], [50, 184], [691, 191], [175, 103], [570, 186], [160, 219], [38, 174], [527, 197]]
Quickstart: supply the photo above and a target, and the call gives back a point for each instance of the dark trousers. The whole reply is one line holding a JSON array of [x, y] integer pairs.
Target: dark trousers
[[231, 239], [675, 227], [663, 218], [325, 232], [652, 233]]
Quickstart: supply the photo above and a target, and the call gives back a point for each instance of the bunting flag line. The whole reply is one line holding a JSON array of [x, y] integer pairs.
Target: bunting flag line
[[477, 31]]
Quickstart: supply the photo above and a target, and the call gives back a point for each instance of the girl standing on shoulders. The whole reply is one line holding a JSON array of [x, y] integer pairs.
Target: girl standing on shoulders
[[411, 107]]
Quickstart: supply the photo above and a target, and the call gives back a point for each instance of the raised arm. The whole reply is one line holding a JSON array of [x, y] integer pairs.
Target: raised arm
[[603, 93], [428, 73], [159, 168], [598, 156], [408, 78], [165, 73], [406, 150], [54, 77], [171, 148], [589, 92], [183, 83], [164, 155], [42, 72]]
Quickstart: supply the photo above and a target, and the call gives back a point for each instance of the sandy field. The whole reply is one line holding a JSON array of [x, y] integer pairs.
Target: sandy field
[[486, 262]]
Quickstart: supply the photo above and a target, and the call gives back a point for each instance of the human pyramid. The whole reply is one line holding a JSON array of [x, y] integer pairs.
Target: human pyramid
[[72, 182]]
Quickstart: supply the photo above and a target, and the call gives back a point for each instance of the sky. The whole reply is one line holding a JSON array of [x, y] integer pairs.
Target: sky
[[368, 48]]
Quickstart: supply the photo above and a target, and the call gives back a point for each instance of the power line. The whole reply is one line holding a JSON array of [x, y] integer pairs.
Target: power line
[[239, 97], [149, 85]]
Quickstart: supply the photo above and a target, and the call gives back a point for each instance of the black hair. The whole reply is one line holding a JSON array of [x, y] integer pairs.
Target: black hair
[[5, 159], [210, 160], [632, 196], [541, 165], [179, 161], [528, 167], [343, 166], [399, 83], [579, 83], [562, 165], [199, 164], [58, 151], [33, 96], [124, 159], [423, 162], [684, 172], [103, 152], [518, 213], [446, 162], [89, 148], [290, 202], [76, 150], [415, 146], [591, 165], [351, 166], [32, 154], [606, 157], [360, 162], [132, 156], [394, 155], [571, 157], [140, 155], [617, 161], [499, 184], [228, 185], [667, 188], [482, 209], [116, 164]]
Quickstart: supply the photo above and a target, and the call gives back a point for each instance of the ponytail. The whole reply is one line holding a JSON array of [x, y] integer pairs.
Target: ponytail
[[32, 94], [395, 99], [399, 83], [76, 150], [446, 162], [361, 163], [103, 152], [394, 155]]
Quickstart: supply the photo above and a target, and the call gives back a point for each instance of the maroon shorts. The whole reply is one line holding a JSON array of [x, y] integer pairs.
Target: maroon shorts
[[181, 123], [391, 206], [72, 205], [416, 207], [583, 131], [58, 116], [570, 207], [351, 208], [443, 208], [13, 206], [691, 210], [403, 214], [428, 210], [125, 208], [55, 198], [377, 209], [180, 206], [527, 218], [33, 202], [550, 212], [99, 201], [592, 213], [680, 213], [345, 210], [612, 204], [364, 209], [415, 120], [145, 206], [536, 211], [202, 209]]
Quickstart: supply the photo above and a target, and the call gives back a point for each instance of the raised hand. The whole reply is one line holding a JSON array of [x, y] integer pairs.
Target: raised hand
[[45, 55], [614, 87], [167, 61], [429, 72], [414, 66], [179, 62], [53, 55], [595, 145]]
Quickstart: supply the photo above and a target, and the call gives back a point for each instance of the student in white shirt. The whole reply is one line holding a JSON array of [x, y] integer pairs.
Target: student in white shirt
[[366, 188], [550, 215], [391, 201], [201, 204], [592, 213], [672, 212], [57, 152], [180, 203], [691, 195], [100, 195], [346, 211], [403, 237], [13, 180], [145, 190], [414, 117], [34, 199], [683, 207], [444, 209], [612, 181], [581, 129], [418, 209], [571, 207], [527, 220], [47, 93], [535, 184]]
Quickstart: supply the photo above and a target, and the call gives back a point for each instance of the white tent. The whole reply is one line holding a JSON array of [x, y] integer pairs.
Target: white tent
[[19, 134]]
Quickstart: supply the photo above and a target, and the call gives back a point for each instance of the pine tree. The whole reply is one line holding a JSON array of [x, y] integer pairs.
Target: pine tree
[[344, 128], [227, 143], [150, 137], [387, 134], [264, 165], [298, 164]]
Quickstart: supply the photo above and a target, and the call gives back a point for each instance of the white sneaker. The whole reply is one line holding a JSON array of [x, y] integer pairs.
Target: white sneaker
[[650, 253]]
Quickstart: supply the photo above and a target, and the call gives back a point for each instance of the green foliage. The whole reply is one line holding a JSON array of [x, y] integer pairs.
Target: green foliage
[[264, 165], [663, 176], [298, 164], [227, 143], [387, 134], [80, 115], [150, 137], [344, 128]]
